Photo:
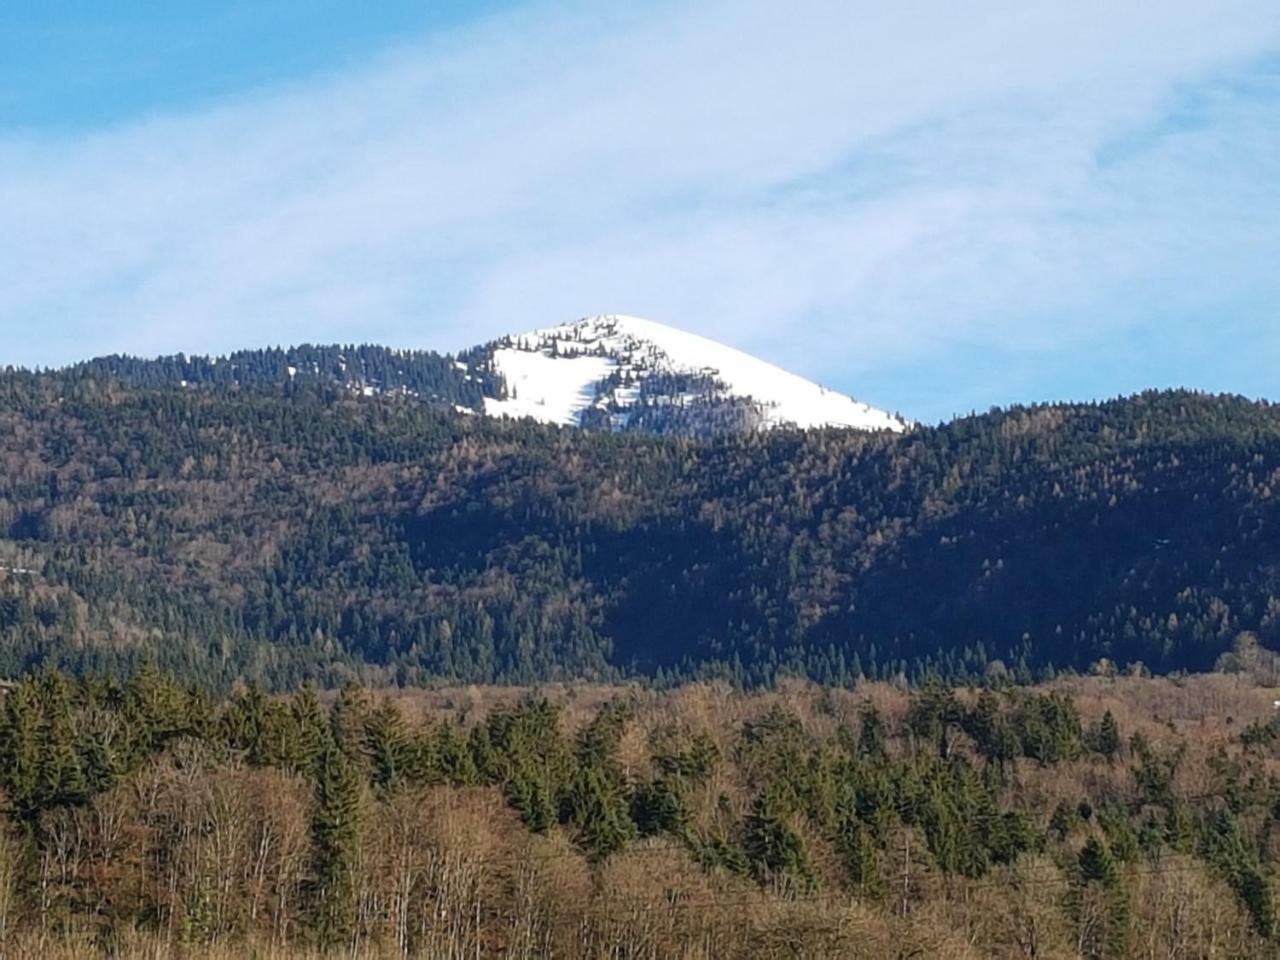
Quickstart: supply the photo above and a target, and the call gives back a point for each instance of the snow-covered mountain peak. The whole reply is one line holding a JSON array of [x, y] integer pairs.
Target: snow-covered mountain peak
[[623, 372]]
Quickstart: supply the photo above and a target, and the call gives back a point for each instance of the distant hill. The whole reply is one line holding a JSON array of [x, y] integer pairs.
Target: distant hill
[[303, 530], [600, 373], [364, 369]]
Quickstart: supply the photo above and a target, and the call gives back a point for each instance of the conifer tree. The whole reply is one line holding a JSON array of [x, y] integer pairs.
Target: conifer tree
[[389, 746], [61, 776], [310, 730], [662, 806], [596, 810], [777, 854], [862, 856], [596, 806], [1099, 903], [459, 759], [871, 737], [20, 748], [1105, 737], [349, 722], [1226, 846], [335, 834], [1061, 822]]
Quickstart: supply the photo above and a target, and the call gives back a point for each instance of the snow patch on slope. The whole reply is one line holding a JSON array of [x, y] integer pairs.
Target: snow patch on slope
[[557, 374], [785, 397], [550, 389]]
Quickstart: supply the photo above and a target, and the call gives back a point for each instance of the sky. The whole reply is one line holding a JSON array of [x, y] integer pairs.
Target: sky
[[936, 207]]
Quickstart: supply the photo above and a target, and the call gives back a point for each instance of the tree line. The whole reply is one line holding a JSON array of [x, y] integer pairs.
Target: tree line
[[150, 812], [283, 534]]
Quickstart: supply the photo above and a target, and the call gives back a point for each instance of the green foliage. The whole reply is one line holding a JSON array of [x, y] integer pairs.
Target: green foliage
[[1100, 902], [522, 749], [871, 733], [455, 760], [253, 529], [1224, 844], [662, 806], [862, 860], [390, 748], [1155, 771], [596, 810], [1104, 738], [1122, 839], [1096, 864], [684, 762], [596, 807], [934, 712], [776, 852], [308, 731], [335, 825], [1049, 726], [992, 730], [61, 743], [1061, 822], [870, 811]]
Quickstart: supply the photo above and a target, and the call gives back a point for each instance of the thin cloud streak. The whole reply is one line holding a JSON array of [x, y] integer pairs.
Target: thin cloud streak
[[848, 189]]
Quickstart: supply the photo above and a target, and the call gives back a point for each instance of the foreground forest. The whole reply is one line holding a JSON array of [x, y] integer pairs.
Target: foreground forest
[[279, 532], [1094, 817]]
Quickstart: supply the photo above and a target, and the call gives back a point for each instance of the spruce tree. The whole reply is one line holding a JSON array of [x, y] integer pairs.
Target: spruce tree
[[311, 732], [1105, 737], [390, 748], [348, 721], [776, 852], [335, 829], [20, 748], [61, 777], [596, 810], [1100, 903]]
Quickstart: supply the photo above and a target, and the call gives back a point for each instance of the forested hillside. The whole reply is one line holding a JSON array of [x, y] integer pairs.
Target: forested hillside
[[296, 531], [365, 369], [1099, 819]]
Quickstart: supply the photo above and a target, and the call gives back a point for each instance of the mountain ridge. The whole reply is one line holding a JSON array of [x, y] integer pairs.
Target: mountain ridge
[[271, 536], [609, 372]]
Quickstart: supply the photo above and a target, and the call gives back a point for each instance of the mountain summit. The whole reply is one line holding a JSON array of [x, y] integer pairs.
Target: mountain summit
[[613, 373], [624, 373]]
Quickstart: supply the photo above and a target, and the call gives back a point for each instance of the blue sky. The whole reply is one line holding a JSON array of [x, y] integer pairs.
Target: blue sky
[[937, 207]]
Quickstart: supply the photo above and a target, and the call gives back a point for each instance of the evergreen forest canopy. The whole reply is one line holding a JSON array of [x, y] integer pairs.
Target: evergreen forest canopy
[[1099, 818], [366, 368], [278, 528]]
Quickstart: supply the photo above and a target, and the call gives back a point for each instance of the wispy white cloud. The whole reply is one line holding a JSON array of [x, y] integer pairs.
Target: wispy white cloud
[[852, 188]]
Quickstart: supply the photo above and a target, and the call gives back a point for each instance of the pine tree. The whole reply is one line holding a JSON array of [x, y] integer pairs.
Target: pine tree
[[596, 806], [20, 748], [449, 757], [61, 775], [662, 806], [335, 829], [1095, 863], [871, 737], [349, 722], [311, 732], [596, 810], [390, 748], [249, 727], [1105, 737], [1225, 845], [1061, 821], [862, 857], [1099, 903], [777, 854]]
